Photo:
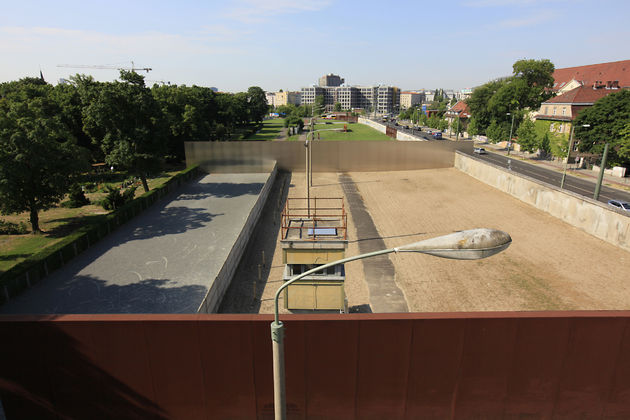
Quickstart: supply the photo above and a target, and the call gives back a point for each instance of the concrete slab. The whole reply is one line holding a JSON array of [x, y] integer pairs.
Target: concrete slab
[[163, 261]]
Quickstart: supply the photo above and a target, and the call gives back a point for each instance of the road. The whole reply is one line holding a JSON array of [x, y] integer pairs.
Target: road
[[585, 188]]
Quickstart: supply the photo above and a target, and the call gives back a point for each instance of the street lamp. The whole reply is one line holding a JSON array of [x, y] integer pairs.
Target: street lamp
[[510, 138], [465, 245], [564, 173]]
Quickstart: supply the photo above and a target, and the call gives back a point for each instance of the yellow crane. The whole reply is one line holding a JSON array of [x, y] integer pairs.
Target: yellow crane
[[105, 67]]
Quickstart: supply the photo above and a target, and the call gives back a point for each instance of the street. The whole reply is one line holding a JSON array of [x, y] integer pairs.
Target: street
[[574, 184]]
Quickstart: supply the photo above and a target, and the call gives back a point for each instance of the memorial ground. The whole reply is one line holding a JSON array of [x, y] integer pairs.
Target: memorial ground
[[549, 266]]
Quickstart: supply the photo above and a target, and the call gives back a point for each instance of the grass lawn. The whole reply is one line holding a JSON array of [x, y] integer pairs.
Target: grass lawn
[[355, 131], [270, 131], [56, 223]]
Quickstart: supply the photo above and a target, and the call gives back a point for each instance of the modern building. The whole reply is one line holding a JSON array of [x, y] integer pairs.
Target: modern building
[[331, 80], [271, 98], [385, 99]]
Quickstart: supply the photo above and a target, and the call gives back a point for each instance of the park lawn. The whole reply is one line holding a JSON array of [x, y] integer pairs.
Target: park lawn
[[271, 130], [56, 223], [356, 132]]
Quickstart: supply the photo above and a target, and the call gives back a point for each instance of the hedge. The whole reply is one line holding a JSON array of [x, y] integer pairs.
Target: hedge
[[39, 265]]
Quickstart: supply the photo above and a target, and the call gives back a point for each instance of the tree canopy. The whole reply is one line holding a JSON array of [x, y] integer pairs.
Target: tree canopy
[[608, 123], [38, 155]]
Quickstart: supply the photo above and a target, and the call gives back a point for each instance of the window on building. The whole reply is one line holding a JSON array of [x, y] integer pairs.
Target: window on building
[[564, 110], [554, 110], [551, 127]]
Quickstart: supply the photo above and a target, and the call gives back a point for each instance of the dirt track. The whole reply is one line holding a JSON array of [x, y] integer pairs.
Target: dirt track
[[549, 266]]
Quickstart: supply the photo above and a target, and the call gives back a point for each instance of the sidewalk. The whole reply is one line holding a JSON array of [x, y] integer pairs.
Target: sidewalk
[[557, 165]]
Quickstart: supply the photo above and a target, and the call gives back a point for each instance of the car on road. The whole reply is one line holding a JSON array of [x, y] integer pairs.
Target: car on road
[[406, 127], [437, 135], [479, 150], [621, 205]]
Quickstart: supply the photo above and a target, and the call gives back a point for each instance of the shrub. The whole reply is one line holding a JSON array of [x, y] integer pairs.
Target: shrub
[[77, 197], [115, 199], [8, 228]]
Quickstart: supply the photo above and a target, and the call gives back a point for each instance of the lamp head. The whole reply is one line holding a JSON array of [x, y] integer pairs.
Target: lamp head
[[471, 244]]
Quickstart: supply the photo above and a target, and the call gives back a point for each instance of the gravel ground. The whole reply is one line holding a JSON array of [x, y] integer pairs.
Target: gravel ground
[[549, 266]]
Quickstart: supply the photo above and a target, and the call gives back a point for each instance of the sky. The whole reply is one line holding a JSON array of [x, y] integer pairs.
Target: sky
[[282, 44]]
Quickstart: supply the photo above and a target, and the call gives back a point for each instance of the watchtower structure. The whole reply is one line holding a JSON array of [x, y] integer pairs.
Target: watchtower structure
[[314, 232]]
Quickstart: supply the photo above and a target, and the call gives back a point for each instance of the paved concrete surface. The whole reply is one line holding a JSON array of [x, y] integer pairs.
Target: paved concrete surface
[[160, 262], [380, 275]]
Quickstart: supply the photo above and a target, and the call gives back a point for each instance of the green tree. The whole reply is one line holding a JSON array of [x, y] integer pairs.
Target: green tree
[[527, 137], [126, 121], [38, 156], [608, 119], [497, 132], [319, 107], [337, 107], [256, 104]]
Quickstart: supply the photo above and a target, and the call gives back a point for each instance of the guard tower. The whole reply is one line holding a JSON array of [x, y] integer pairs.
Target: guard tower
[[314, 232]]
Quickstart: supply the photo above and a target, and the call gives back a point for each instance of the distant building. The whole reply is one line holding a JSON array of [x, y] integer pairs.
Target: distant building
[[271, 98], [285, 98], [331, 80], [385, 99], [569, 78], [557, 113], [410, 98]]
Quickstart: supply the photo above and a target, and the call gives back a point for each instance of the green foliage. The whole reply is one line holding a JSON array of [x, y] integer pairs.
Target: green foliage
[[527, 136], [38, 156], [545, 145], [337, 107], [115, 200], [8, 228], [442, 124], [497, 132], [76, 197], [527, 88], [318, 107], [608, 119]]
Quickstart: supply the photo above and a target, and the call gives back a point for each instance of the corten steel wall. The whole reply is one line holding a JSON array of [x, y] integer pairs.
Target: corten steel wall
[[328, 156], [562, 365]]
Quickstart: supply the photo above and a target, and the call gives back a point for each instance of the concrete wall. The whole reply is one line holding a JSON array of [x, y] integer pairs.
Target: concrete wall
[[220, 284], [328, 156], [373, 124], [584, 213]]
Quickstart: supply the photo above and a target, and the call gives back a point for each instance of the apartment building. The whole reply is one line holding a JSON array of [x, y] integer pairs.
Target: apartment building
[[331, 80], [286, 98], [386, 99], [410, 98]]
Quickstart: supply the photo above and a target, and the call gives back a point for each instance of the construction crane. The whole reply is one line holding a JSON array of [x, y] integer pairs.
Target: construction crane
[[104, 67]]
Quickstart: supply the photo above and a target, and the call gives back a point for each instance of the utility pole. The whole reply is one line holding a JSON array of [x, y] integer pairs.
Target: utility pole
[[601, 173]]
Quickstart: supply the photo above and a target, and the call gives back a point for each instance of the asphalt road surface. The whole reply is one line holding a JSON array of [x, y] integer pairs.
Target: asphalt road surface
[[583, 187]]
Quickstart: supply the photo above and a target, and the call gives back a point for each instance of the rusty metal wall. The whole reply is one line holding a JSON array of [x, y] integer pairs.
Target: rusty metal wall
[[510, 365], [328, 156]]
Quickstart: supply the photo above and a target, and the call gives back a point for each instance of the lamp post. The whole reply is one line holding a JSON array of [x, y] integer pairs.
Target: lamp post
[[465, 245], [564, 173], [510, 138], [601, 173]]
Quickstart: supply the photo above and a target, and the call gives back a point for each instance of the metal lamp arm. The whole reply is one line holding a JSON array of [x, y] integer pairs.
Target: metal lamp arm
[[322, 267]]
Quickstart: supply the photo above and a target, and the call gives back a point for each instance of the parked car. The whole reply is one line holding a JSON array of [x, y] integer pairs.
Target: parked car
[[479, 150], [621, 205], [437, 135]]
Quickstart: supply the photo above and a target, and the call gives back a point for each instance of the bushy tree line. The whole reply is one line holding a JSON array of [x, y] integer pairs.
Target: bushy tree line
[[494, 104], [50, 134]]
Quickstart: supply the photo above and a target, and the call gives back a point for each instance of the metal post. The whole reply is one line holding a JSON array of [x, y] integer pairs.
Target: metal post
[[601, 173], [510, 138], [279, 395], [457, 133], [564, 173]]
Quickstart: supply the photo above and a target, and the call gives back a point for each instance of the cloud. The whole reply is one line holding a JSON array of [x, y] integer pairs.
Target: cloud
[[257, 11], [539, 18]]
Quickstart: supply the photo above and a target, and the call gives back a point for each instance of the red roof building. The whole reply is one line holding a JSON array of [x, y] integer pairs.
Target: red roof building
[[606, 74]]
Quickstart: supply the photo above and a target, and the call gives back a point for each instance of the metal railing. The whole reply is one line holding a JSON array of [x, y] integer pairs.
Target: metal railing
[[315, 222]]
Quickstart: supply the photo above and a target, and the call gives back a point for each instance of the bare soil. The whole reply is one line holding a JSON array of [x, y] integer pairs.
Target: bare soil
[[549, 266]]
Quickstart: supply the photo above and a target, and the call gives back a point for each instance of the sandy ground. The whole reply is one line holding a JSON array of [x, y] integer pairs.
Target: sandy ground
[[549, 266]]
